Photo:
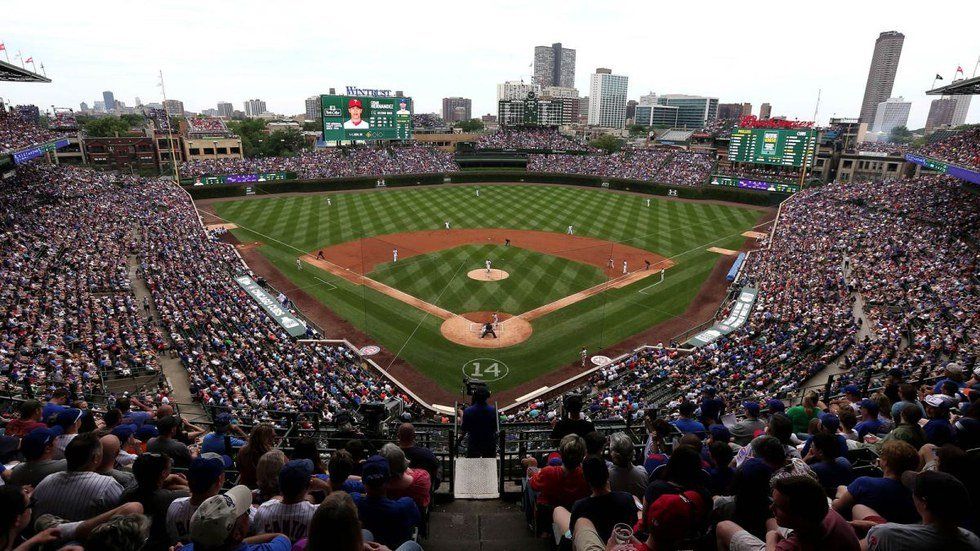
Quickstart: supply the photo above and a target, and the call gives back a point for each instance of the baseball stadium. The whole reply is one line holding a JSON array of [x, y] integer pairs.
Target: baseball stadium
[[373, 328]]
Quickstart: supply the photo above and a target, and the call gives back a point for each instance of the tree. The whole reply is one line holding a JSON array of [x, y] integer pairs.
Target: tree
[[251, 131], [106, 127], [472, 125], [312, 126], [638, 130], [281, 143], [900, 134], [607, 143]]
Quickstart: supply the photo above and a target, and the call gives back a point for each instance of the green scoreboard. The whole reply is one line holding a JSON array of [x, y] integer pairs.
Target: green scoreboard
[[772, 146], [365, 118]]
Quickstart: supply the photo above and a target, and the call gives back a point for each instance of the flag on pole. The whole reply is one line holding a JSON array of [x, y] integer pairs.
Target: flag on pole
[[938, 77], [29, 60], [958, 68], [2, 47]]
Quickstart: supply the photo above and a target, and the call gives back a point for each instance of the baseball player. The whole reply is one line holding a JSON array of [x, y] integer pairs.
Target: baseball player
[[488, 263], [488, 330], [610, 263], [319, 255], [495, 318], [648, 202], [394, 255], [477, 192], [299, 265], [570, 230], [447, 224], [624, 268], [648, 265], [328, 201], [584, 354], [506, 242]]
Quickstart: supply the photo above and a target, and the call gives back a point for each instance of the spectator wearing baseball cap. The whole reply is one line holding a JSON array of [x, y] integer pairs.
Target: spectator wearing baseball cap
[[954, 372], [220, 440], [390, 521], [828, 424], [205, 477], [870, 423], [938, 429], [941, 500], [751, 426], [79, 492], [293, 513], [685, 421], [38, 450], [69, 420], [712, 407], [799, 504], [221, 522]]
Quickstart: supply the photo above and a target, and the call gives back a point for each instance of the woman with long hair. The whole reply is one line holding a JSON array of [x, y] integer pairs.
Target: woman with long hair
[[260, 440]]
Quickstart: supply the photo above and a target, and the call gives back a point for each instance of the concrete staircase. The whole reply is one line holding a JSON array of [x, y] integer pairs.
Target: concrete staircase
[[480, 525]]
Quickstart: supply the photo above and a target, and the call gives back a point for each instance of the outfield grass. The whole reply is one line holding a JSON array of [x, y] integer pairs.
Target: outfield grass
[[678, 230], [535, 279]]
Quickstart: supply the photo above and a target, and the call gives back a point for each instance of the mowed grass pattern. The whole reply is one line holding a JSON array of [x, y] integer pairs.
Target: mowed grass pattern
[[535, 279], [679, 230]]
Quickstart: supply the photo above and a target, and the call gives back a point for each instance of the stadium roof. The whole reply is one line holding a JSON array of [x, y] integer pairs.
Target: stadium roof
[[968, 87], [13, 73]]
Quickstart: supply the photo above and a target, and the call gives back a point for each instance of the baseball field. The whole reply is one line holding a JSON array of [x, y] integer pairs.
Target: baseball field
[[554, 289]]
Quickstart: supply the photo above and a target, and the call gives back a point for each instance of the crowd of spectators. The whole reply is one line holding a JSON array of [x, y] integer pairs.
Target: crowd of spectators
[[661, 165], [882, 147], [207, 125], [548, 139], [64, 120], [962, 148], [906, 246], [333, 163], [19, 130], [427, 121], [140, 476]]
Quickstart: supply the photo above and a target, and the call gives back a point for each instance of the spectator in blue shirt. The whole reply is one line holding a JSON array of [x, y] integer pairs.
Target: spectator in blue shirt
[[873, 498], [829, 424], [137, 418], [869, 424], [390, 521], [214, 442], [54, 406], [938, 429], [480, 423], [686, 424], [712, 407], [825, 459], [954, 373]]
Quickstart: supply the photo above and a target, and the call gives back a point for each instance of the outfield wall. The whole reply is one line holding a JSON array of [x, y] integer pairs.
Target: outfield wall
[[750, 197]]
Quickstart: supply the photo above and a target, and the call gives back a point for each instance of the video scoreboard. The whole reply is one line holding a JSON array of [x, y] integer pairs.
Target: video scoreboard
[[771, 146], [357, 118]]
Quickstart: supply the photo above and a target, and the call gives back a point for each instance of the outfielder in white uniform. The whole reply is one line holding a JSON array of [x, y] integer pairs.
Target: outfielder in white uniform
[[570, 230], [477, 192], [447, 224], [299, 265], [394, 255], [328, 201], [648, 202]]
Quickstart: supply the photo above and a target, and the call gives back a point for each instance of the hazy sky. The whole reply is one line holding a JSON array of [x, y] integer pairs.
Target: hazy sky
[[287, 50]]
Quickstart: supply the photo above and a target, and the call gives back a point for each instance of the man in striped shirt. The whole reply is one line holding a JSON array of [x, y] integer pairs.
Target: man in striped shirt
[[292, 514], [80, 493]]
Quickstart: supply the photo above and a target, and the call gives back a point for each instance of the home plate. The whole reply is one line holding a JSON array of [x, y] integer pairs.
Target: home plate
[[755, 234], [719, 250]]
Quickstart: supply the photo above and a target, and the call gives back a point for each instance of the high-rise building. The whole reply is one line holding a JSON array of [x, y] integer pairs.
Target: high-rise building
[[648, 99], [569, 98], [659, 116], [940, 113], [254, 107], [765, 111], [607, 99], [693, 111], [881, 74], [225, 109], [583, 110], [631, 109], [174, 107], [962, 108], [554, 66], [514, 89], [313, 108], [109, 101], [98, 106], [746, 109], [83, 107], [139, 102], [730, 111], [889, 114], [457, 109]]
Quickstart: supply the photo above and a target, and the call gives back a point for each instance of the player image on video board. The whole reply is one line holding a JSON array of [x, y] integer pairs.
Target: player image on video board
[[365, 118]]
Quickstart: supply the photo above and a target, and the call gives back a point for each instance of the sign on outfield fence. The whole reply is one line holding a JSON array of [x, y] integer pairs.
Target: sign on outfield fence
[[736, 318], [283, 317]]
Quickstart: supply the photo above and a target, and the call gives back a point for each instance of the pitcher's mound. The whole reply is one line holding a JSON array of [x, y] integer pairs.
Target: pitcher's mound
[[465, 329], [483, 275]]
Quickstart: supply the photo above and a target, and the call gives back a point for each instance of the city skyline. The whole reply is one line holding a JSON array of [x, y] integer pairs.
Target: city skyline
[[83, 60]]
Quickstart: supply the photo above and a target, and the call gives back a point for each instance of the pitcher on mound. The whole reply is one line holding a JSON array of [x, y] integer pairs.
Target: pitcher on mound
[[488, 263]]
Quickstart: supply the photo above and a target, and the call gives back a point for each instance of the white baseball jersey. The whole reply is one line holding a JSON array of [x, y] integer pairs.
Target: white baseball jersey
[[76, 495], [179, 520], [488, 264], [351, 124], [292, 520]]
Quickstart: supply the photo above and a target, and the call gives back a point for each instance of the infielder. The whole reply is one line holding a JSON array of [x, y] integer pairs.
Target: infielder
[[319, 255], [447, 224], [610, 263], [570, 230], [495, 318], [648, 264], [624, 268], [394, 255], [299, 265], [488, 263]]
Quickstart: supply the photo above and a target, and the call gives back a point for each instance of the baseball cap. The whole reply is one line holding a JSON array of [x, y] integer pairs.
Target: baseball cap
[[124, 432], [775, 405], [720, 432], [829, 421], [146, 432], [671, 517], [375, 469], [869, 405], [954, 368], [936, 400], [215, 518], [69, 416], [205, 470], [32, 445], [295, 475], [851, 389], [751, 407], [222, 421], [354, 102]]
